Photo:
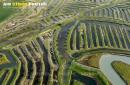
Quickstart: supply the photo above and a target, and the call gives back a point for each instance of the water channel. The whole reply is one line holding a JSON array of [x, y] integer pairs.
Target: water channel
[[107, 69]]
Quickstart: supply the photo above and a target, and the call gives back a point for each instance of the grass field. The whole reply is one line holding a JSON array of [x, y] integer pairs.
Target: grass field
[[6, 12], [77, 82], [123, 70], [3, 59], [91, 60]]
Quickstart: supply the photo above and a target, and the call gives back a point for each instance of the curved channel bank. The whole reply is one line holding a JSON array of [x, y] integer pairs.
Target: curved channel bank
[[107, 69]]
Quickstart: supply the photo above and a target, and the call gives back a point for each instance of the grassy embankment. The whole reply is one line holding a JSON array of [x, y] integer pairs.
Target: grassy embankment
[[118, 37], [77, 83], [41, 61], [96, 36], [106, 36], [33, 64], [9, 73], [94, 73], [68, 37], [25, 67], [90, 36], [17, 68], [58, 5], [47, 47]]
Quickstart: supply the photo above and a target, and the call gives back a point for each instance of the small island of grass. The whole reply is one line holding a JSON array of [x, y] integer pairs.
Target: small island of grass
[[123, 70], [3, 59]]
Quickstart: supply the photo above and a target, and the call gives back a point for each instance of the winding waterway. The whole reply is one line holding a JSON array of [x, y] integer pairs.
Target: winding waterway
[[107, 69]]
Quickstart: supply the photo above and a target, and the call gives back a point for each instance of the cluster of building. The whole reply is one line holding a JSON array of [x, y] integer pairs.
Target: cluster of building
[[13, 23]]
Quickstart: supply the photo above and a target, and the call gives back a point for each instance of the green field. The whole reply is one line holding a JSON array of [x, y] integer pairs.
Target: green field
[[6, 12], [122, 69]]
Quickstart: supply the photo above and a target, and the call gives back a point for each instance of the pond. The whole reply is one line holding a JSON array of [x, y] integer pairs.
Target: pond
[[84, 79]]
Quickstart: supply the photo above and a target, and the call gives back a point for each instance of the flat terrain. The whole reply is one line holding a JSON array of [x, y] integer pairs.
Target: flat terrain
[[63, 42]]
